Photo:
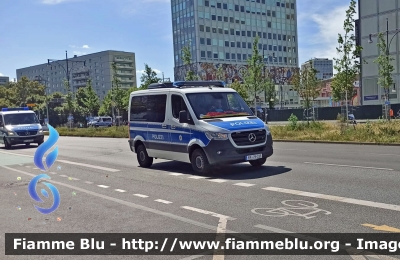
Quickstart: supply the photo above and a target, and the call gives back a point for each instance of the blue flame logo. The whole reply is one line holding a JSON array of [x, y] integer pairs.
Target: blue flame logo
[[49, 161]]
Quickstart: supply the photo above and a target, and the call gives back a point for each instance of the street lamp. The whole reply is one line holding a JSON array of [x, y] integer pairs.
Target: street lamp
[[40, 80], [273, 58], [387, 56], [67, 70]]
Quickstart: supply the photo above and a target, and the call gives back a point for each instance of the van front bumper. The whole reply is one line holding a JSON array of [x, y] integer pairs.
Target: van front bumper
[[223, 152], [24, 139]]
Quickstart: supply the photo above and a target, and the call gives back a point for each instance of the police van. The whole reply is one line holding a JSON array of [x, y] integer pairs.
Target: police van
[[19, 126], [200, 122]]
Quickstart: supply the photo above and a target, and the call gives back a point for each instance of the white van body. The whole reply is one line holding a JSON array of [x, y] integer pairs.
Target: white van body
[[176, 121], [19, 126]]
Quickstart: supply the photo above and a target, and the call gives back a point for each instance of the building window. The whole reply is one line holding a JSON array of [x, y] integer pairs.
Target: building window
[[208, 29], [233, 56], [202, 41], [208, 41], [201, 28], [213, 17], [203, 54], [209, 54], [227, 56], [232, 44], [220, 18], [226, 43], [239, 56]]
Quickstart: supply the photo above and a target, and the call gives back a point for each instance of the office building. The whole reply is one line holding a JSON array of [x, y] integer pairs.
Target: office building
[[96, 66], [324, 67], [221, 33], [4, 80], [373, 18]]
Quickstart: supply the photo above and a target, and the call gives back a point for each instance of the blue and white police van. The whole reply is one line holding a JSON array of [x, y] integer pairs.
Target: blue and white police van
[[200, 122], [19, 126]]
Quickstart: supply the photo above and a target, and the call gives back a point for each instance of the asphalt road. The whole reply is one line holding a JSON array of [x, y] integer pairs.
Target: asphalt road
[[103, 190]]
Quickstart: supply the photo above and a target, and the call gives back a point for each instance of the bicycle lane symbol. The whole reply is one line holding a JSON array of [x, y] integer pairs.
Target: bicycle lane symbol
[[298, 208]]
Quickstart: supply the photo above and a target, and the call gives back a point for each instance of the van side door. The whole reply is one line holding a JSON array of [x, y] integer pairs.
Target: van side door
[[138, 119], [2, 129], [157, 122], [180, 133]]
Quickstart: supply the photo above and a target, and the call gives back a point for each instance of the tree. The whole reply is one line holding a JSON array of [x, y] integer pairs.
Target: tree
[[91, 100], [347, 65], [240, 89], [306, 84], [270, 93], [254, 75], [70, 104], [386, 68], [149, 76], [220, 75], [187, 61], [117, 93]]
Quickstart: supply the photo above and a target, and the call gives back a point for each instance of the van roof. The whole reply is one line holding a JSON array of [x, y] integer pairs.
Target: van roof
[[182, 90], [17, 112]]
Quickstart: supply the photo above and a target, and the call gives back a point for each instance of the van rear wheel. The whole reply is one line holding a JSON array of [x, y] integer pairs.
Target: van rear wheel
[[143, 158], [200, 162], [7, 145]]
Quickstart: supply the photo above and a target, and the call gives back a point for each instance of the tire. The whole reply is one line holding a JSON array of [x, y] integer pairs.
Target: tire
[[7, 145], [39, 144], [200, 162], [258, 163], [143, 158]]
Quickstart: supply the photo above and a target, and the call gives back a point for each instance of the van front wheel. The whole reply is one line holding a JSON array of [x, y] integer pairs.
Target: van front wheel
[[200, 162], [258, 163], [143, 158]]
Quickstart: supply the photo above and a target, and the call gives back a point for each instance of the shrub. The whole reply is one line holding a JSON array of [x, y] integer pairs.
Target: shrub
[[293, 122]]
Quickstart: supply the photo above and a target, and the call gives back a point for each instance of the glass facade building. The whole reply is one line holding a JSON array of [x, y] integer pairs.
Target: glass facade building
[[221, 33]]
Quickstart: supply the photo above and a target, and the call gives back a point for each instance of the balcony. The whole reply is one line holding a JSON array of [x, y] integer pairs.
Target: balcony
[[80, 77], [79, 84], [125, 73], [125, 67], [123, 59]]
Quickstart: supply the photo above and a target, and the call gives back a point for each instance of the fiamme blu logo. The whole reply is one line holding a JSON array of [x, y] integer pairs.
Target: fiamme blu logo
[[44, 164]]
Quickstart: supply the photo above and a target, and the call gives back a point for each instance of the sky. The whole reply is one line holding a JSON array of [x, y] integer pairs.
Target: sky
[[33, 31]]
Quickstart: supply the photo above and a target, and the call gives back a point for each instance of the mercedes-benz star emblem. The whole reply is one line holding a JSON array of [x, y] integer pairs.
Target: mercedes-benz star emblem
[[27, 133], [252, 137]]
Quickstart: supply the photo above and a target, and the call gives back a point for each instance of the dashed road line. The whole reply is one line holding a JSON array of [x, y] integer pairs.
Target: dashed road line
[[53, 173], [63, 176], [88, 182], [176, 174], [163, 201], [140, 195], [244, 184], [207, 212], [218, 180], [197, 177], [351, 166], [89, 166], [103, 186], [75, 179], [336, 198], [27, 166], [119, 190]]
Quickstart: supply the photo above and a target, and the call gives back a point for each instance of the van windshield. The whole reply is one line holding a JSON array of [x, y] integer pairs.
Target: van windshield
[[218, 104], [107, 119], [20, 119]]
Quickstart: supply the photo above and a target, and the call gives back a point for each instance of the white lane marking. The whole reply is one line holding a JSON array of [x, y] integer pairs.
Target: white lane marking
[[218, 180], [176, 174], [140, 195], [35, 168], [120, 190], [137, 206], [221, 228], [351, 250], [197, 177], [17, 154], [53, 173], [88, 182], [386, 154], [351, 166], [75, 179], [163, 201], [89, 166], [207, 212], [244, 184], [103, 186], [336, 198], [27, 166], [63, 176]]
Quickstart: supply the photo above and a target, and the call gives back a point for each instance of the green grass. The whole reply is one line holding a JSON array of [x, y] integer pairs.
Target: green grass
[[376, 132]]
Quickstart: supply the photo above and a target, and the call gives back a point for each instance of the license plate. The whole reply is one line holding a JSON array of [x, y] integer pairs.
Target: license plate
[[253, 157], [28, 141]]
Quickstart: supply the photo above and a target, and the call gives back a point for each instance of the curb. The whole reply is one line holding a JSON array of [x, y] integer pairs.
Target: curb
[[333, 142]]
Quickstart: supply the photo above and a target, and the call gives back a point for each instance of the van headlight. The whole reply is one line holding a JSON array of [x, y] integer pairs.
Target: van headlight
[[267, 129], [41, 131], [216, 136], [10, 133]]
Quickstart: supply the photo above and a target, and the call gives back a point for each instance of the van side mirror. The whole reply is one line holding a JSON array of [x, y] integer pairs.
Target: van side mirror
[[184, 117]]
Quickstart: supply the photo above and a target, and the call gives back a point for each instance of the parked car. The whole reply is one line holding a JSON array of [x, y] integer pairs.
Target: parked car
[[102, 121]]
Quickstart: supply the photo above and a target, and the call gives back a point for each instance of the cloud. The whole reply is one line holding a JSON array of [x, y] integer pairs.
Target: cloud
[[319, 27], [55, 2], [1, 74], [79, 53], [85, 47]]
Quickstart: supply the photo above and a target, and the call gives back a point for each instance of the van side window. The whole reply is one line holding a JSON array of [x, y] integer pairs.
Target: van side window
[[139, 108], [156, 105], [177, 104]]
